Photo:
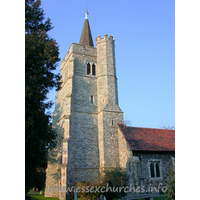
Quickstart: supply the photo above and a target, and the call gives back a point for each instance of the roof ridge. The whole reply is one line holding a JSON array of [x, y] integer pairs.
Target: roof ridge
[[144, 127]]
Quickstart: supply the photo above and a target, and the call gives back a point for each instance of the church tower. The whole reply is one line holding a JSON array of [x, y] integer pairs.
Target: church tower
[[86, 114]]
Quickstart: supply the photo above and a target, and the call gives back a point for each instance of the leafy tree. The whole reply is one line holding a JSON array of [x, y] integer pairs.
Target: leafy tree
[[110, 183], [171, 183], [41, 57], [86, 191], [115, 177]]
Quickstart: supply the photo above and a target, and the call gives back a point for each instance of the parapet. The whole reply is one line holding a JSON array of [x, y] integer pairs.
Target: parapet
[[105, 38]]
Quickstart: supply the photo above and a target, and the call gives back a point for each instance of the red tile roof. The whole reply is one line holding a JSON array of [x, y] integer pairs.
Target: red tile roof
[[148, 139]]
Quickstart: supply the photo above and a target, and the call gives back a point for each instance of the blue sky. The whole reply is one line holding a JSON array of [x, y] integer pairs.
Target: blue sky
[[144, 33]]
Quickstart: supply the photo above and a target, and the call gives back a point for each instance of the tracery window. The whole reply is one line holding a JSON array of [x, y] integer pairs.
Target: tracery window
[[91, 68], [155, 169]]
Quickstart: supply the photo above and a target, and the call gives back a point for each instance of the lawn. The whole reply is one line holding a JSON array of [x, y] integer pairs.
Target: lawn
[[41, 197]]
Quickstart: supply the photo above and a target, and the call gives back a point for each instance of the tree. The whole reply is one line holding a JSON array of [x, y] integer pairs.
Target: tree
[[171, 183], [110, 183], [127, 122], [114, 177], [41, 57], [165, 126]]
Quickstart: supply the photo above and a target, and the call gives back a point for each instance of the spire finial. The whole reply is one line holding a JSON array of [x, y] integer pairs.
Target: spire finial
[[86, 14], [86, 36]]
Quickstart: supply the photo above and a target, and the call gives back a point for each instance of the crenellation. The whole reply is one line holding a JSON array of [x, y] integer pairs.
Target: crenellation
[[111, 37], [105, 38]]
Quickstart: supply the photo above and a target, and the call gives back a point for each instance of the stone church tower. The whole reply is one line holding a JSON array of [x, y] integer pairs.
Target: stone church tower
[[86, 114]]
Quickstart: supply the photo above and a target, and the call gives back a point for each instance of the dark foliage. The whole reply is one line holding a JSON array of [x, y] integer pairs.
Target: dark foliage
[[115, 177], [41, 57], [171, 183]]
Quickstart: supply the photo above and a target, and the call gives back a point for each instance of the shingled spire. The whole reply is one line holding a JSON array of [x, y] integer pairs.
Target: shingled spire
[[86, 36]]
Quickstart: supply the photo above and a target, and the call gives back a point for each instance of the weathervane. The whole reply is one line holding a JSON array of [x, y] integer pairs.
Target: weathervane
[[86, 14]]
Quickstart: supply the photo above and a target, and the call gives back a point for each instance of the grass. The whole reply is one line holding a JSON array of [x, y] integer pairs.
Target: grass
[[41, 197]]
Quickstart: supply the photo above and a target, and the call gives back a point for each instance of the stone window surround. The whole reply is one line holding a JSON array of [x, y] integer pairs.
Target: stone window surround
[[91, 68], [92, 99], [173, 162], [160, 169]]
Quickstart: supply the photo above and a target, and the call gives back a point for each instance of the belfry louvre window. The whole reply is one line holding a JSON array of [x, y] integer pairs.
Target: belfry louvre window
[[155, 167], [93, 69], [88, 68]]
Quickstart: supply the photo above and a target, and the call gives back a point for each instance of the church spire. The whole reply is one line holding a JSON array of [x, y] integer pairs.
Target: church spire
[[86, 36]]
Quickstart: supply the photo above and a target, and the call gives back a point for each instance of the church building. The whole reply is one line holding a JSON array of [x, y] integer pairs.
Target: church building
[[91, 134]]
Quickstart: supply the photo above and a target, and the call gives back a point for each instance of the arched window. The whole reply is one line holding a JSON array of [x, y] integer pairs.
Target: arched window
[[152, 170], [93, 69], [88, 68], [157, 170]]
